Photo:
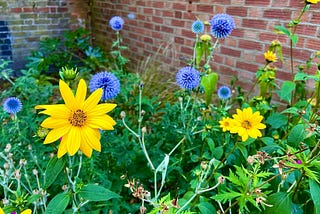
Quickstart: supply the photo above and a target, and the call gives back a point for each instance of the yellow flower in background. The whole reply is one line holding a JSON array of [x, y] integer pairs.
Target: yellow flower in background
[[77, 122], [205, 38], [270, 56], [27, 211], [312, 1], [225, 124], [247, 124]]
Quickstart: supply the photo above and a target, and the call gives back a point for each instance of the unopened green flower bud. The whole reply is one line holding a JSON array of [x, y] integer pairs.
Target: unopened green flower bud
[[67, 74]]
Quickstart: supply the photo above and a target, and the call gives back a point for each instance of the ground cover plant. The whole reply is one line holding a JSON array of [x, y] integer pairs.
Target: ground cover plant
[[89, 136]]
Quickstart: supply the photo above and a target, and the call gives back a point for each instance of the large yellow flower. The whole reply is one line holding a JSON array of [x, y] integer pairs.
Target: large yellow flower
[[77, 122], [270, 56], [247, 124]]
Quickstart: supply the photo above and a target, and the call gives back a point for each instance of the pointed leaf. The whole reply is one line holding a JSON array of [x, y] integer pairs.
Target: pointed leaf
[[296, 135], [58, 204], [206, 208], [285, 93], [54, 167], [94, 192], [209, 83], [281, 203], [315, 194]]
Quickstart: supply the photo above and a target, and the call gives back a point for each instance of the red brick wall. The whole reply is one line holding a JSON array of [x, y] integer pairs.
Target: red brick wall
[[29, 21], [163, 22]]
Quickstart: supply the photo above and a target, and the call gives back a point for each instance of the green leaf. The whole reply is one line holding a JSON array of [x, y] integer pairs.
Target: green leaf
[[94, 192], [300, 76], [209, 83], [54, 167], [276, 120], [217, 152], [199, 53], [206, 208], [282, 30], [285, 93], [226, 196], [296, 135], [315, 194], [281, 203], [294, 39], [58, 204]]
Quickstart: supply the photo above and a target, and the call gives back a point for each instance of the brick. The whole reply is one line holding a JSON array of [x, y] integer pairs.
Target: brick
[[257, 2], [250, 45], [254, 23], [237, 11], [277, 14], [230, 52]]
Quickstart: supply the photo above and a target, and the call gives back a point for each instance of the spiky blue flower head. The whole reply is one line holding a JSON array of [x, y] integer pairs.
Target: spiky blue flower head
[[108, 82], [197, 27], [116, 23], [221, 25], [224, 92], [188, 77], [12, 105]]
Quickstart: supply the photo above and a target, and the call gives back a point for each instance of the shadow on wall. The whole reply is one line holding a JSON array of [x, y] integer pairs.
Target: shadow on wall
[[5, 41]]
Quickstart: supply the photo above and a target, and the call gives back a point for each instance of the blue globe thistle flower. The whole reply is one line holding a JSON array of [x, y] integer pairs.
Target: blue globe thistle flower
[[188, 77], [131, 16], [222, 25], [108, 82], [224, 92], [116, 23], [12, 105], [197, 27]]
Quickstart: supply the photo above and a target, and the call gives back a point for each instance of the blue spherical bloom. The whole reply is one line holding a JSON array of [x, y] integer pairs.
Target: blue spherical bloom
[[224, 92], [108, 82], [131, 16], [198, 27], [221, 25], [188, 78], [12, 105], [116, 23]]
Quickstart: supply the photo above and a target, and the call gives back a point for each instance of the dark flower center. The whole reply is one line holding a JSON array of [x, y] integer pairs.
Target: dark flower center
[[78, 118], [246, 124]]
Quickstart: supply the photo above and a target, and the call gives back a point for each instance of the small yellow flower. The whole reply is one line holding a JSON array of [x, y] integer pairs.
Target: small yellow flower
[[77, 122], [247, 124], [225, 124], [312, 1], [270, 56], [205, 38], [28, 211]]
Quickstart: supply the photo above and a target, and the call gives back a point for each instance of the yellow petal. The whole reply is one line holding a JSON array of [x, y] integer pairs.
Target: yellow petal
[[104, 122], [101, 109], [81, 92], [92, 138], [92, 100], [28, 211], [55, 134], [53, 123], [57, 111], [86, 149], [62, 150], [1, 211], [74, 140], [67, 95]]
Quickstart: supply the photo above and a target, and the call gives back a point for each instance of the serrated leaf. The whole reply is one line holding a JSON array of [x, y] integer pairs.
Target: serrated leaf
[[94, 192], [285, 93], [54, 167], [209, 83], [58, 204], [276, 120], [296, 135], [226, 196], [206, 208], [281, 203]]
